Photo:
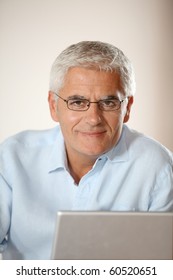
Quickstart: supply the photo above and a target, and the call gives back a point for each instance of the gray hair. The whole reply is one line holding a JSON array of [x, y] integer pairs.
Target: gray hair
[[93, 55]]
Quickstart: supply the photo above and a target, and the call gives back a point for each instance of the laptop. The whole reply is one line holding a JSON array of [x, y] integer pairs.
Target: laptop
[[113, 236]]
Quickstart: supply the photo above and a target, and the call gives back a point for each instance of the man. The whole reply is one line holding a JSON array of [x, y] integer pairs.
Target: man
[[90, 161]]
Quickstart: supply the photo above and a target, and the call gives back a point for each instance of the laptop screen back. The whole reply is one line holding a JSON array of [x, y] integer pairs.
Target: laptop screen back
[[113, 235]]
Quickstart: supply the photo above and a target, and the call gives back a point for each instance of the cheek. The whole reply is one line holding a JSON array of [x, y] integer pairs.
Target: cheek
[[68, 120], [114, 120], [115, 127]]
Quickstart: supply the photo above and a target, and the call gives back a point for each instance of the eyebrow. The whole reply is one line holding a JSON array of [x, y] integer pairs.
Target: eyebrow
[[106, 97], [76, 96]]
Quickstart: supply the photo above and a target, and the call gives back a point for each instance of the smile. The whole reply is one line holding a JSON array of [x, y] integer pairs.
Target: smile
[[93, 133]]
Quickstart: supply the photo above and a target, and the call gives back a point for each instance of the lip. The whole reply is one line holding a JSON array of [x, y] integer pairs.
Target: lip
[[93, 133]]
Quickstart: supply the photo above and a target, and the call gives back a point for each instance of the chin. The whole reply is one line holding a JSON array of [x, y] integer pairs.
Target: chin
[[95, 153]]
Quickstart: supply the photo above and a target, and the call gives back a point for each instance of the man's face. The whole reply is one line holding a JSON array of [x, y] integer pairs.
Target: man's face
[[88, 134]]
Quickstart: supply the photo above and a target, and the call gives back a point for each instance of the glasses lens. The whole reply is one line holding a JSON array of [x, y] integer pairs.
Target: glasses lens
[[109, 105], [78, 104]]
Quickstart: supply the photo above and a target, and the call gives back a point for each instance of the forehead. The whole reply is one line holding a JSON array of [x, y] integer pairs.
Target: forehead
[[79, 76]]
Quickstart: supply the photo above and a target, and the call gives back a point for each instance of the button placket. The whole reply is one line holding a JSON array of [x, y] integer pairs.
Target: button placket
[[87, 185]]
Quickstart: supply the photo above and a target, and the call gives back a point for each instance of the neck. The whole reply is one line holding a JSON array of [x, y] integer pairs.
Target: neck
[[79, 167]]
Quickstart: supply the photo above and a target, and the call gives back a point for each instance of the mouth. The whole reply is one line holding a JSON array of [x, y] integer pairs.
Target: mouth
[[93, 133]]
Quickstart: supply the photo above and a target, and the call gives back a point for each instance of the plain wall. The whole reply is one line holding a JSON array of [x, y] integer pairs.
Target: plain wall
[[33, 33]]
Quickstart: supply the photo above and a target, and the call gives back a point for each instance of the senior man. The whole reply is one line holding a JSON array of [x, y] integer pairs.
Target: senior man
[[90, 161]]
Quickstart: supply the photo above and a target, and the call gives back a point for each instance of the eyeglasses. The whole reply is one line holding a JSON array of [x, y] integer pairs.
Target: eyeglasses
[[81, 104]]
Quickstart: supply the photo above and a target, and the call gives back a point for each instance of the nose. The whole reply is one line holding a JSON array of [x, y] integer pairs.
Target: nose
[[93, 114]]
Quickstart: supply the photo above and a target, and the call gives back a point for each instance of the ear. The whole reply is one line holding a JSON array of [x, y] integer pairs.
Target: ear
[[128, 109], [53, 106]]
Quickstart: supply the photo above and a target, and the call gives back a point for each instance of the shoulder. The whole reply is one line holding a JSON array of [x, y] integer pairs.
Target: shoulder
[[30, 139], [141, 145]]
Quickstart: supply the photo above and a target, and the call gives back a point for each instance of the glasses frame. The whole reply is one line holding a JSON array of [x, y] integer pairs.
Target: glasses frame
[[89, 103]]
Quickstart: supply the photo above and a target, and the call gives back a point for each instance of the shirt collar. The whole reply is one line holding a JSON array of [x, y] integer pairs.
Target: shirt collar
[[119, 152], [57, 158]]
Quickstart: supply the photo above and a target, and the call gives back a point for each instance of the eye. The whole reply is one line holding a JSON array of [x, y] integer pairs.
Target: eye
[[109, 103], [77, 103]]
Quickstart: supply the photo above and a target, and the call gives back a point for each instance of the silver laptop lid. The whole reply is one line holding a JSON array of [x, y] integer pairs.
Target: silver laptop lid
[[113, 235]]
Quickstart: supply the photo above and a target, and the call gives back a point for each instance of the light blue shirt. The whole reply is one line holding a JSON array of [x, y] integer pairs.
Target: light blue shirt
[[136, 175]]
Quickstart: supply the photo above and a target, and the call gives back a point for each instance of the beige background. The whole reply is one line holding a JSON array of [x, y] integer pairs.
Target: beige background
[[33, 32]]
